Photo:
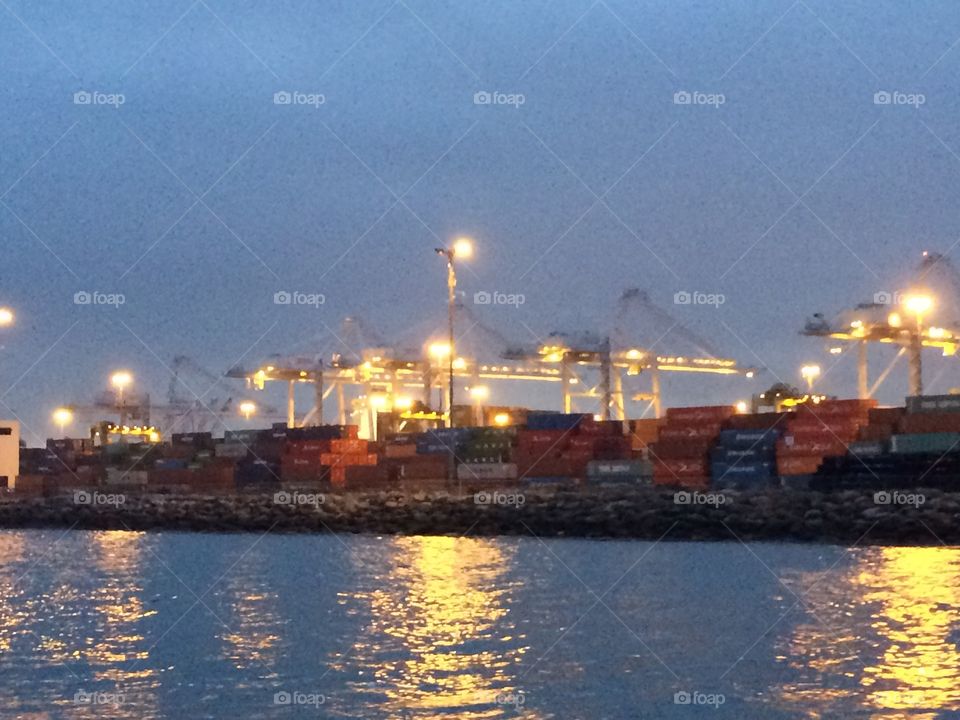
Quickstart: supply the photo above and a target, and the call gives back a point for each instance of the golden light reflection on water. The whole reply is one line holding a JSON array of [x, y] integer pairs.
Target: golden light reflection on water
[[12, 612], [250, 635], [888, 626], [440, 639]]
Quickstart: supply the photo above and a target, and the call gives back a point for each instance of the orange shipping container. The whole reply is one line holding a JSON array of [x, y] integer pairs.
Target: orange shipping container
[[825, 444], [802, 465], [400, 451], [350, 446], [701, 414], [678, 431]]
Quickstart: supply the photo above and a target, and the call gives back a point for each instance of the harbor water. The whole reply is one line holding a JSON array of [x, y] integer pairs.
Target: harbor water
[[172, 625]]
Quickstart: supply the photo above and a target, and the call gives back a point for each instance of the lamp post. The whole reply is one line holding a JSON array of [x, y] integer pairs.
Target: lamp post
[[120, 380], [479, 393], [918, 305], [461, 248]]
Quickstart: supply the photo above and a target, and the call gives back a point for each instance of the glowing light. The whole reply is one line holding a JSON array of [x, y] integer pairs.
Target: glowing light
[[810, 371], [480, 392], [742, 407], [893, 319], [403, 403], [62, 417], [459, 364], [836, 350], [634, 354], [6, 317], [121, 379], [440, 349], [937, 333], [463, 248], [501, 419], [918, 304], [248, 408]]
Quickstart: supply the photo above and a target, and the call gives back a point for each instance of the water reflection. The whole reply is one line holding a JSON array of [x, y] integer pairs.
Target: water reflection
[[882, 632], [12, 612], [440, 640], [251, 624]]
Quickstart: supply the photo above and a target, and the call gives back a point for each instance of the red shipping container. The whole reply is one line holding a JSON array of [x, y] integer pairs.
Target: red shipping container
[[603, 428], [885, 416], [400, 451], [929, 423], [544, 467], [810, 446], [582, 442], [843, 428], [798, 465], [670, 449], [875, 432], [338, 476], [678, 431], [701, 484], [350, 446], [424, 467], [699, 414], [645, 431], [307, 447]]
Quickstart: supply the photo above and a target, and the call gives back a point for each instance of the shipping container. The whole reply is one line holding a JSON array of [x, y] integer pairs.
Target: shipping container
[[929, 422], [710, 414], [555, 421], [633, 471], [487, 471], [933, 403], [925, 443]]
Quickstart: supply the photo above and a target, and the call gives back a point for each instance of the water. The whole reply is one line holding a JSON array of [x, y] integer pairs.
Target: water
[[175, 625]]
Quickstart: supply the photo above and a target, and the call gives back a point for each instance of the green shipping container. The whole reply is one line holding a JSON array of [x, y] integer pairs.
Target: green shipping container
[[925, 443], [624, 470]]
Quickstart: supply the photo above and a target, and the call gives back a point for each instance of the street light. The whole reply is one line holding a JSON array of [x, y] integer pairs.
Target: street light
[[810, 373], [247, 408], [7, 317], [917, 304], [120, 380], [62, 417], [462, 248], [479, 393]]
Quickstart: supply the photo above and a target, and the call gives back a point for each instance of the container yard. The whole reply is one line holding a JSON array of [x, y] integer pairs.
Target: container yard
[[825, 446]]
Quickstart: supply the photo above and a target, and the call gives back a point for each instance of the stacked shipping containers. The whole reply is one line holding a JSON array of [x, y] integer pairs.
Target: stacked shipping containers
[[818, 431], [681, 455]]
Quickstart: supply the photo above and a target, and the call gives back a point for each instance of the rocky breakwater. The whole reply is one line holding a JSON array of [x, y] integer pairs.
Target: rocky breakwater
[[923, 517]]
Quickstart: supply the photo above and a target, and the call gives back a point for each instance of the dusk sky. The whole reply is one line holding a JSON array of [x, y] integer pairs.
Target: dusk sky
[[782, 185]]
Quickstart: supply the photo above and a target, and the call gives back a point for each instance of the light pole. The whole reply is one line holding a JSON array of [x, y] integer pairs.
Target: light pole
[[810, 373], [479, 393], [120, 380], [62, 417], [918, 305], [461, 248]]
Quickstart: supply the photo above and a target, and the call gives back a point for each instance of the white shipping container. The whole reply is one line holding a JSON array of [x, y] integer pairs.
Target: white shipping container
[[231, 450]]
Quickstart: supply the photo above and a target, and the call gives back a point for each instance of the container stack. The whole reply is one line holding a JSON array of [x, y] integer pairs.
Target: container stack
[[345, 453], [486, 456], [818, 431], [681, 455], [745, 459], [643, 433], [302, 462]]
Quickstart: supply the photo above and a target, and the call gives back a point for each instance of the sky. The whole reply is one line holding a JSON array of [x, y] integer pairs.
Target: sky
[[190, 188]]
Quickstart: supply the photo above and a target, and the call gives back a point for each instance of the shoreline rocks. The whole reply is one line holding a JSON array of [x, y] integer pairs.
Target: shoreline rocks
[[615, 512]]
